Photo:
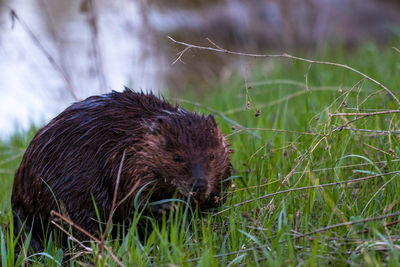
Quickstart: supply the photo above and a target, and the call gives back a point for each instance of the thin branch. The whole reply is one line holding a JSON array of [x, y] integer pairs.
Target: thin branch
[[348, 224], [305, 155], [372, 131], [308, 71], [115, 193], [366, 114], [349, 166], [71, 237], [24, 251], [113, 206], [382, 151], [214, 44], [94, 29], [52, 61], [392, 223], [236, 124], [80, 229], [357, 180], [114, 201], [133, 189], [280, 100], [339, 128], [284, 55], [180, 54], [376, 193]]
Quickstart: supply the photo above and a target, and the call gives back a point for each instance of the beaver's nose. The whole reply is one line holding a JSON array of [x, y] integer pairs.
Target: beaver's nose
[[198, 181], [199, 185]]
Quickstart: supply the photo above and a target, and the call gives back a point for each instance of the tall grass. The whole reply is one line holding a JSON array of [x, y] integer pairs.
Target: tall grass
[[293, 127]]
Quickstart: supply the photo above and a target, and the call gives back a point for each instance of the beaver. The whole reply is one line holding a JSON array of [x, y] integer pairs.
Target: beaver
[[72, 163]]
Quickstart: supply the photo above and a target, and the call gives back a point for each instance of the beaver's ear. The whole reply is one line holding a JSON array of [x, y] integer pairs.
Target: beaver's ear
[[210, 119], [127, 89], [156, 124], [154, 128]]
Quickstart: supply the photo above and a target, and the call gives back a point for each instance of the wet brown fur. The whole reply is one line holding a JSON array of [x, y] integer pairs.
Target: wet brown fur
[[78, 153]]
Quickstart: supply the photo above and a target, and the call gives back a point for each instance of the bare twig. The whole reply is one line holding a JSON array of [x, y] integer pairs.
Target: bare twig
[[236, 124], [305, 155], [284, 55], [214, 44], [382, 151], [70, 236], [348, 224], [372, 131], [114, 202], [308, 71], [133, 189], [350, 166], [316, 170], [24, 251], [94, 28], [283, 99], [46, 53], [113, 205], [392, 223], [366, 114], [180, 54], [339, 128], [80, 229], [376, 193], [357, 180]]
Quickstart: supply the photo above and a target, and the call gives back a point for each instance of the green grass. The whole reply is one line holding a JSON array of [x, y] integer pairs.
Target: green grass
[[294, 129]]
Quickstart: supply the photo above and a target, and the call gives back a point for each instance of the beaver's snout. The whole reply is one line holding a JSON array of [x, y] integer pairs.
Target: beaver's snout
[[199, 185], [198, 180]]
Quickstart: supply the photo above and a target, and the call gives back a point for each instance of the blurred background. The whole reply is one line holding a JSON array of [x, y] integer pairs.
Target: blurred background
[[55, 52]]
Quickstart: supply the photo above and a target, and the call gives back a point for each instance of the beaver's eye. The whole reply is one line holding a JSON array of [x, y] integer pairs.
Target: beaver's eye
[[177, 158], [212, 156]]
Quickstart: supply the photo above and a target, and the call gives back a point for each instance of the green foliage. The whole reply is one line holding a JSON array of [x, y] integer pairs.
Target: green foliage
[[294, 142]]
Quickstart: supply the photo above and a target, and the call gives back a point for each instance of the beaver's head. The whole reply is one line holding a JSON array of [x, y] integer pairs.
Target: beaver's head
[[187, 154]]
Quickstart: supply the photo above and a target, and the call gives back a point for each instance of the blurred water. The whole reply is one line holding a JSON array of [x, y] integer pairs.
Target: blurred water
[[125, 43], [33, 91]]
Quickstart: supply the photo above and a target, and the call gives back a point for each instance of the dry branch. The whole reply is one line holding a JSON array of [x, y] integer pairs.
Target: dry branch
[[381, 132], [221, 115], [114, 202], [52, 61], [366, 114], [113, 206], [348, 224], [284, 55], [357, 180], [71, 237], [80, 229]]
